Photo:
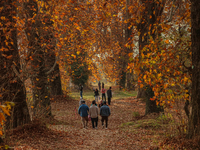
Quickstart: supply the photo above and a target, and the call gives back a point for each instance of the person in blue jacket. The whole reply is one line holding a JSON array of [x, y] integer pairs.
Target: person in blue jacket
[[104, 113], [83, 112]]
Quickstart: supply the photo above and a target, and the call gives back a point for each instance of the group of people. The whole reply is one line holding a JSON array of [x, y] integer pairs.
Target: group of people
[[96, 93], [103, 92], [92, 113]]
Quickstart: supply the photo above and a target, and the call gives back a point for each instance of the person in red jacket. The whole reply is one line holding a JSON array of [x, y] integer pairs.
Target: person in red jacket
[[103, 91]]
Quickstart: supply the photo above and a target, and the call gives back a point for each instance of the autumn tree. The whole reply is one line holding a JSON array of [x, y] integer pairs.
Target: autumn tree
[[33, 29], [148, 29], [51, 60], [11, 87], [194, 120]]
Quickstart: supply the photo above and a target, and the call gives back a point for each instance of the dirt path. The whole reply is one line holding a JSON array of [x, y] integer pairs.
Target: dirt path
[[68, 132], [112, 138]]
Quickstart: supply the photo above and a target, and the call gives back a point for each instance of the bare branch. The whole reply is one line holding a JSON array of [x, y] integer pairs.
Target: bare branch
[[54, 65]]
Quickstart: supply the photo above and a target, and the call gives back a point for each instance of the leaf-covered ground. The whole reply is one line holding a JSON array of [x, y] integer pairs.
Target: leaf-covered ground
[[126, 130]]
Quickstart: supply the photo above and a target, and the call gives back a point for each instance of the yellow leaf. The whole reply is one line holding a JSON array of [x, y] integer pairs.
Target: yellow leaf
[[5, 111], [45, 96], [145, 76], [185, 79], [2, 117], [32, 106], [78, 52]]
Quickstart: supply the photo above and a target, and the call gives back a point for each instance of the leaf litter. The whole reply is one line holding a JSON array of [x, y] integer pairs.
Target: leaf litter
[[64, 130]]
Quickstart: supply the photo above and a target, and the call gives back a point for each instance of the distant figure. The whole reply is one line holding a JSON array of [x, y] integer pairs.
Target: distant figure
[[96, 95], [99, 84], [93, 112], [83, 112], [103, 91], [109, 94], [102, 85], [81, 90], [105, 113], [80, 102]]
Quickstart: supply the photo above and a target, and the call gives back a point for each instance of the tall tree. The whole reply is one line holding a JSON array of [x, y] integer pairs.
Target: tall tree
[[34, 27], [148, 29], [11, 87], [194, 120]]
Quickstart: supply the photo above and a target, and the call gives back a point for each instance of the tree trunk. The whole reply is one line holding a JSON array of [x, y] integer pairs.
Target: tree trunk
[[149, 19], [122, 81], [41, 95], [55, 82], [11, 87], [194, 120]]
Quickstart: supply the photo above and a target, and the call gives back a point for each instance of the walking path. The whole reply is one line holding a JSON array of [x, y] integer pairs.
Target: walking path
[[70, 134]]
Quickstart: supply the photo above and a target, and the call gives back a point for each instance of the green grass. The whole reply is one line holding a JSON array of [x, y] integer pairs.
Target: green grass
[[89, 95], [145, 123]]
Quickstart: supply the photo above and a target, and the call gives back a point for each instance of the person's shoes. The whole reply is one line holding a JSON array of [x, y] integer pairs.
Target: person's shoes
[[106, 128], [102, 126], [96, 128], [86, 127]]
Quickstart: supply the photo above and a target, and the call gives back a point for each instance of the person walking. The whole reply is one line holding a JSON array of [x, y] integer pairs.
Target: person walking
[[109, 94], [81, 90], [102, 85], [103, 91], [93, 112], [96, 95], [83, 112], [99, 84], [104, 113]]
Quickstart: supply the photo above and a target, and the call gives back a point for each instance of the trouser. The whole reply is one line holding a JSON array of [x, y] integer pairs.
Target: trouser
[[81, 93], [96, 98], [109, 100], [84, 121], [106, 120], [104, 96], [94, 120]]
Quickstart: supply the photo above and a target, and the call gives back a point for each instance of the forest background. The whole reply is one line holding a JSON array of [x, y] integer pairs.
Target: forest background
[[148, 46]]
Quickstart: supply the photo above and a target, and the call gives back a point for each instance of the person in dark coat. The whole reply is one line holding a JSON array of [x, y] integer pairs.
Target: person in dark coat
[[102, 85], [104, 113], [109, 94], [99, 84], [96, 95], [83, 112], [81, 90]]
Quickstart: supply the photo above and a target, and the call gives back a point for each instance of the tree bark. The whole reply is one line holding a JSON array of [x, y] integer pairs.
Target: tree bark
[[149, 18], [34, 28], [194, 120], [12, 89], [55, 82]]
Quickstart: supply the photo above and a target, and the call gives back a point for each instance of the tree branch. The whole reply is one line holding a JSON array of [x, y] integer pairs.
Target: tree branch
[[54, 65]]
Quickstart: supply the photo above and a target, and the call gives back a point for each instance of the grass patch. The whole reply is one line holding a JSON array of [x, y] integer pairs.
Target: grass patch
[[136, 114], [124, 94], [145, 124], [89, 94], [127, 124]]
